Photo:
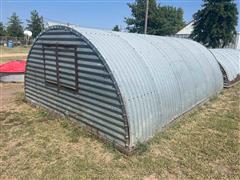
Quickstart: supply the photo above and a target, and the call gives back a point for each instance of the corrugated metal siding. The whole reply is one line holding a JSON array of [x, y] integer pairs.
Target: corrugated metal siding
[[229, 59], [158, 79], [96, 103]]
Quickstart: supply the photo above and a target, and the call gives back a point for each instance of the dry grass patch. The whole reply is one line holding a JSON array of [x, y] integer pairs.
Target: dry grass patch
[[18, 49], [13, 53], [12, 58], [36, 144]]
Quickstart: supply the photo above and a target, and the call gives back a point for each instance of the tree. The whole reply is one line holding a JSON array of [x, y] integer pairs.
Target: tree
[[15, 27], [2, 29], [116, 28], [215, 24], [162, 20], [35, 24], [137, 21], [168, 20]]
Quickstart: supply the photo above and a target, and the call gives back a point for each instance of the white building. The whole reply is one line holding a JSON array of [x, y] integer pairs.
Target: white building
[[187, 30]]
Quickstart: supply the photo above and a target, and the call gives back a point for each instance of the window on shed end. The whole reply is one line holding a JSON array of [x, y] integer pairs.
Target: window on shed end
[[60, 66]]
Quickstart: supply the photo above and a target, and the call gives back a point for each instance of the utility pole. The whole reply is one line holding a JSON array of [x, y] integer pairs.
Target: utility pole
[[146, 17]]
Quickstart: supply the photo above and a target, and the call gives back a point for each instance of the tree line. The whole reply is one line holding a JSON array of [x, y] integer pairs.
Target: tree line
[[214, 24], [15, 28], [162, 20]]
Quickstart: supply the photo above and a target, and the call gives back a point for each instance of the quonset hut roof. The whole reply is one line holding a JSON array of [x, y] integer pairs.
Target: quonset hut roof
[[156, 79], [229, 60]]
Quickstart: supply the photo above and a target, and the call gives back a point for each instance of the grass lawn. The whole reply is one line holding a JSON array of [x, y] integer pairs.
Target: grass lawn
[[17, 49], [35, 144], [8, 59], [13, 53]]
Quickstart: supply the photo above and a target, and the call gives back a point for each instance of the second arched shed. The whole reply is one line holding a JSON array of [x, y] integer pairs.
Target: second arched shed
[[124, 86], [229, 62]]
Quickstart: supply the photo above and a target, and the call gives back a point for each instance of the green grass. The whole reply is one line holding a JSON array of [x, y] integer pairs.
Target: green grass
[[203, 144], [8, 59], [17, 49]]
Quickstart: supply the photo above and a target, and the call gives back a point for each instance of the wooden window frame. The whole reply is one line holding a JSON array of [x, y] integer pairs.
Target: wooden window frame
[[57, 83]]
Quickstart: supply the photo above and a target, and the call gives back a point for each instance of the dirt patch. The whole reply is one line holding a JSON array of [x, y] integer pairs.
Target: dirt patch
[[8, 93]]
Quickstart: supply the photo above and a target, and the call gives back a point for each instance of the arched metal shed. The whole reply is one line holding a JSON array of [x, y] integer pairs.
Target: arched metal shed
[[229, 61], [124, 86]]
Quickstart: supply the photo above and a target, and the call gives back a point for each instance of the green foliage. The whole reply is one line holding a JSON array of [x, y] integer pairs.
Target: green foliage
[[2, 29], [169, 20], [35, 24], [141, 148], [162, 20], [110, 146], [136, 22], [116, 28], [74, 134], [14, 26], [215, 24]]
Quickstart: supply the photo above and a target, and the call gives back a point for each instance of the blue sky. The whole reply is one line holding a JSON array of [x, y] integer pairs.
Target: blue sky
[[88, 13]]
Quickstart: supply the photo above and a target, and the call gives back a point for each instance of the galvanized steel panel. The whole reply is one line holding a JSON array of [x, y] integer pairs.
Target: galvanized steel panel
[[229, 59], [158, 78], [96, 103]]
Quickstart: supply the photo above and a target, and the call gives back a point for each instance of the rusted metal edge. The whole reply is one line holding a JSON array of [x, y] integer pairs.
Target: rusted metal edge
[[233, 82]]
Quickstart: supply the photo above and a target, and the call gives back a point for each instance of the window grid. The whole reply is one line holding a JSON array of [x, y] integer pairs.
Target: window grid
[[57, 82]]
